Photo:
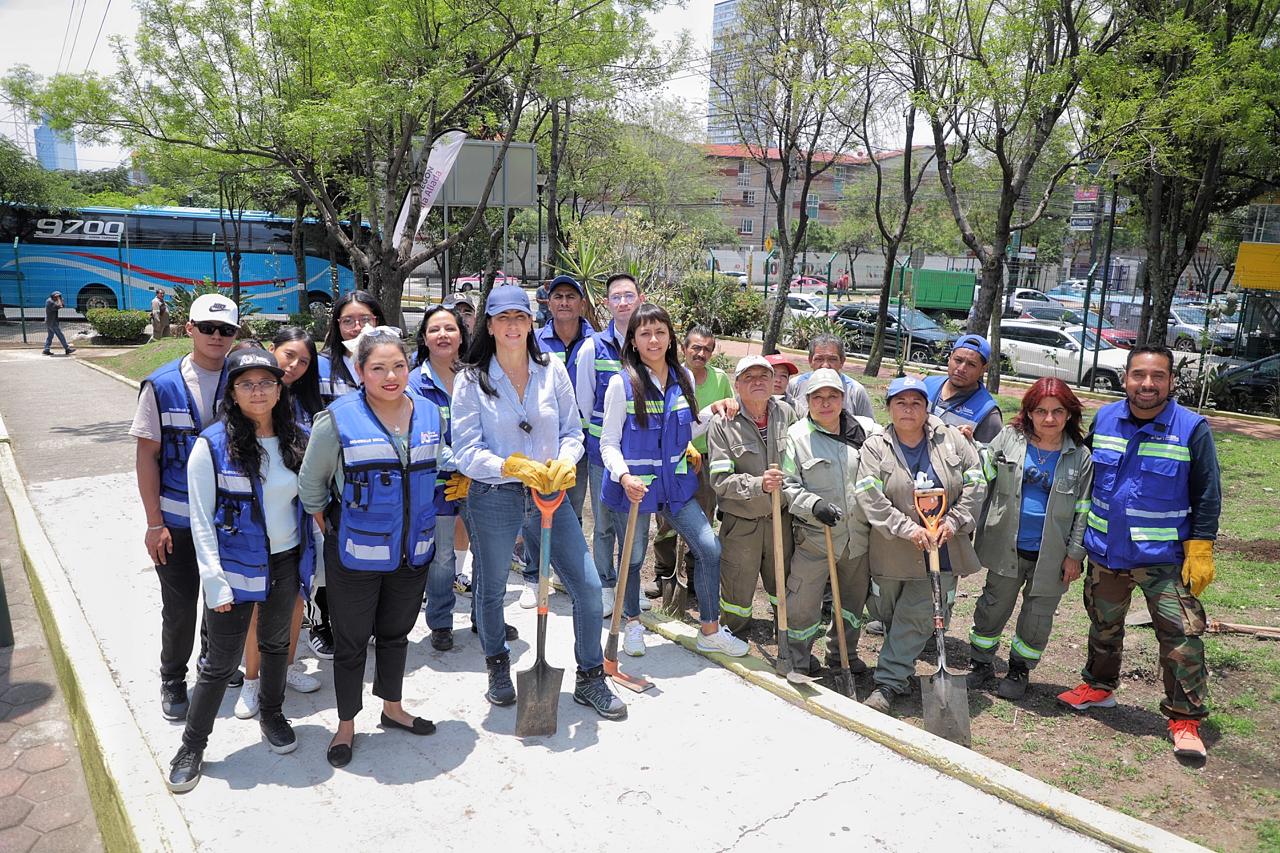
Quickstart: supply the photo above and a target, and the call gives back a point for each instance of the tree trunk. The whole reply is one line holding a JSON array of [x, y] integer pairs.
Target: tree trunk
[[984, 319], [773, 331], [552, 193], [298, 249], [876, 355]]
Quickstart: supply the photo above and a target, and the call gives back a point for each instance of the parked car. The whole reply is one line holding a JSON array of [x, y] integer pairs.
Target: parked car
[[927, 340], [805, 305], [1071, 297], [809, 284], [1187, 325], [738, 276], [473, 282], [1061, 314], [1034, 348], [1254, 386], [1023, 297]]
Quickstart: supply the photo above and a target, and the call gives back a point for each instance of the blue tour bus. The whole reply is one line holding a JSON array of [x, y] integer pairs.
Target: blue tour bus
[[101, 257]]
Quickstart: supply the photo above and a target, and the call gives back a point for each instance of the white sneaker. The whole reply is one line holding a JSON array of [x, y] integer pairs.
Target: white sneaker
[[247, 704], [722, 641], [633, 639], [606, 602], [297, 678], [645, 603], [529, 596]]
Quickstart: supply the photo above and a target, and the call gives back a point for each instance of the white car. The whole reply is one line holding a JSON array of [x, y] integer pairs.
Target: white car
[[1036, 348], [805, 305], [1025, 297]]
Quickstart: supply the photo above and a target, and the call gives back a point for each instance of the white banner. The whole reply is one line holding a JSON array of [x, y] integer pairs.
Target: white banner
[[444, 152]]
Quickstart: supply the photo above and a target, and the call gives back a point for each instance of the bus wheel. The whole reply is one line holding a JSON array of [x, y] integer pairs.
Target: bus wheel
[[317, 304], [94, 296]]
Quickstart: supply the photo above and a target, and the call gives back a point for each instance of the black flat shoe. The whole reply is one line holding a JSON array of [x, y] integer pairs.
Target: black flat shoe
[[419, 727], [512, 633], [339, 754]]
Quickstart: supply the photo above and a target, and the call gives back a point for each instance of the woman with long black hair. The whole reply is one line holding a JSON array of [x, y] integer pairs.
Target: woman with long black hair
[[650, 418], [442, 339], [516, 428], [253, 546]]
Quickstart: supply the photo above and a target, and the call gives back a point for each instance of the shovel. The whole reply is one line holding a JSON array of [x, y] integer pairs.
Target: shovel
[[843, 678], [538, 688], [675, 593], [944, 696], [639, 685], [783, 663]]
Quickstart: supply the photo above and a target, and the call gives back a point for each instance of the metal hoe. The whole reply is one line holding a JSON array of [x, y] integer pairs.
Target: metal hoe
[[843, 678], [538, 688], [639, 685], [945, 697], [782, 665]]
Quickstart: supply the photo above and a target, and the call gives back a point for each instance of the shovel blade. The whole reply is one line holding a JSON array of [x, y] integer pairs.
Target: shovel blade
[[631, 682], [537, 698], [844, 683], [945, 699]]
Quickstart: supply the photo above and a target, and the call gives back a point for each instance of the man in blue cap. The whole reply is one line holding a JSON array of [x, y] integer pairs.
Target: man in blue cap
[[960, 398]]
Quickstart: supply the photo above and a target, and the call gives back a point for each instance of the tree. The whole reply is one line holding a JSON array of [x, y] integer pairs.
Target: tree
[[996, 80], [1198, 87], [343, 96], [782, 90], [23, 180]]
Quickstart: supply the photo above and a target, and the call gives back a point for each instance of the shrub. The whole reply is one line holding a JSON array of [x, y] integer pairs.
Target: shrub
[[118, 325], [260, 328], [317, 324], [798, 331], [717, 302]]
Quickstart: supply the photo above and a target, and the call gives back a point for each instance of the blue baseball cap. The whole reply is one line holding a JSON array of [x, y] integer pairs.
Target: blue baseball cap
[[906, 383], [977, 343], [566, 279], [508, 297]]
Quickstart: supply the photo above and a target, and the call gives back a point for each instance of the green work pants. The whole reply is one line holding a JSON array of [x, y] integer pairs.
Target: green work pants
[[806, 583], [746, 557], [906, 609], [995, 606]]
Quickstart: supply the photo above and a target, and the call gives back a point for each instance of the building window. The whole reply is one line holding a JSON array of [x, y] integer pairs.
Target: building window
[[812, 205], [838, 181], [744, 173], [746, 226], [749, 198]]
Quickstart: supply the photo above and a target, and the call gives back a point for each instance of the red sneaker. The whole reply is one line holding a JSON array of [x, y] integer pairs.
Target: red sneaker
[[1185, 735], [1085, 696]]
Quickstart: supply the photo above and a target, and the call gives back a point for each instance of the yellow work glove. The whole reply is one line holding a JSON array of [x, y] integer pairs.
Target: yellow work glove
[[1197, 564], [532, 474], [456, 487], [695, 458], [561, 475]]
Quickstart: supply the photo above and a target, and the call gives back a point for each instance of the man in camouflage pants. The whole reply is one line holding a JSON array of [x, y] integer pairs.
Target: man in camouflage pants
[[1152, 522]]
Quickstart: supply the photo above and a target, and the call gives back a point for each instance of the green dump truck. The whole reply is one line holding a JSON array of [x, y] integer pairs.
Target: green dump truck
[[949, 292]]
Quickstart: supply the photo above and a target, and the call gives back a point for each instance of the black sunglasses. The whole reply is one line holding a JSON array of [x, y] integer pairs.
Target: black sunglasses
[[217, 329]]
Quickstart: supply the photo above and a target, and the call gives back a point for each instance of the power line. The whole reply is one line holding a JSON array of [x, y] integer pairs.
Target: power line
[[84, 4], [71, 13], [101, 24]]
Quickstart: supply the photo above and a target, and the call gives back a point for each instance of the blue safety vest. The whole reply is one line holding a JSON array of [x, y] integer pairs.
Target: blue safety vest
[[387, 514], [335, 380], [969, 411], [656, 453], [244, 550], [549, 342], [179, 427], [422, 384], [608, 365], [1140, 509]]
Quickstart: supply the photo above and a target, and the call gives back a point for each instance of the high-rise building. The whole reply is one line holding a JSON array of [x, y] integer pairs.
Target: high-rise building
[[55, 149], [725, 94]]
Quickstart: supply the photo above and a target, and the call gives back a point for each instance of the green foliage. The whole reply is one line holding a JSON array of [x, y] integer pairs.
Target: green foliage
[[180, 305], [23, 180], [717, 302], [800, 330], [260, 328], [316, 324], [117, 325]]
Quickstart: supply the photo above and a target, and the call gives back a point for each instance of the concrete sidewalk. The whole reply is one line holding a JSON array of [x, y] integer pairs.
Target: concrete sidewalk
[[706, 760]]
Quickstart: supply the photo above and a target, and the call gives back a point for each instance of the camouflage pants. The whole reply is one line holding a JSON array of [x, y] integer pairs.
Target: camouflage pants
[[1179, 621]]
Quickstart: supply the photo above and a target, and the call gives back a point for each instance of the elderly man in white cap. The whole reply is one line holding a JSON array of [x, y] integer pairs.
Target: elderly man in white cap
[[177, 401], [740, 450], [821, 458]]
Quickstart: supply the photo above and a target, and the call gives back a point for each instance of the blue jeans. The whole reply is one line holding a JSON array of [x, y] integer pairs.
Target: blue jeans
[[440, 595], [605, 542], [502, 511], [691, 523], [48, 338], [577, 497]]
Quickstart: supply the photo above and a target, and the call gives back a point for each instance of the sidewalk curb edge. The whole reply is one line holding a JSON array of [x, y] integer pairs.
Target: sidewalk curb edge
[[134, 809], [106, 371], [1013, 786]]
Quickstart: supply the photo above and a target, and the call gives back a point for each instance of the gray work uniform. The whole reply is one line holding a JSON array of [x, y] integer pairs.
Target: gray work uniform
[[901, 593], [1010, 570], [736, 461], [822, 468]]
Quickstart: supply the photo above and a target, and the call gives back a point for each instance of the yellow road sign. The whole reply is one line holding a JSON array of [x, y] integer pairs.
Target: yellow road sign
[[768, 244]]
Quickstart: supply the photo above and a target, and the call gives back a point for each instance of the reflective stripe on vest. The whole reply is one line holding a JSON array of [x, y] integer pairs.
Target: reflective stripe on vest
[[970, 411], [179, 426], [387, 513], [1140, 510], [655, 453], [333, 385], [607, 365], [423, 383]]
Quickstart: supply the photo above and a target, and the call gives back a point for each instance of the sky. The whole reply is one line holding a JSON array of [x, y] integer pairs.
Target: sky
[[62, 35]]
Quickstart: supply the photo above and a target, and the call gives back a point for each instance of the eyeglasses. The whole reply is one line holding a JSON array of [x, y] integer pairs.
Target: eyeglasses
[[263, 385], [355, 321], [217, 329], [623, 298]]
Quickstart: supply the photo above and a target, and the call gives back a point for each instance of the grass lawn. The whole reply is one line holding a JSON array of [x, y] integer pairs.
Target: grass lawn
[[138, 363]]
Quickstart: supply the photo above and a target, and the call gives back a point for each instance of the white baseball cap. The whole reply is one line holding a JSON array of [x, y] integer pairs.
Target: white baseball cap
[[823, 377], [214, 308], [749, 361]]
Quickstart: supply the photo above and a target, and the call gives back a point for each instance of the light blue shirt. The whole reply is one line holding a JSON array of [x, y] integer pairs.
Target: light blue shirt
[[486, 430]]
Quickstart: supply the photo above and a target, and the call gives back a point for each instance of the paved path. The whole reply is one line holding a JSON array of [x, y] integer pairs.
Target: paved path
[[706, 761], [44, 802]]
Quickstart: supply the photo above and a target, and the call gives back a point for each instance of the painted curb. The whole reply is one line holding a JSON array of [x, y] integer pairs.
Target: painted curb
[[134, 809], [106, 371], [1013, 786]]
